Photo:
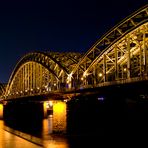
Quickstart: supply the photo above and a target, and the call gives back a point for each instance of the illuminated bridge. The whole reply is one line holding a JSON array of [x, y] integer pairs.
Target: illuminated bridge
[[120, 56], [116, 66]]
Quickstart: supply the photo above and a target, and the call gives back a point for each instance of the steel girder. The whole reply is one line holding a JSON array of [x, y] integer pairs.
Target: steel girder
[[39, 72], [106, 54]]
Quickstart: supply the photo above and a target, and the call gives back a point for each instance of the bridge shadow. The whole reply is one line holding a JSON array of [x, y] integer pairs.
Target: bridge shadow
[[112, 114], [24, 116]]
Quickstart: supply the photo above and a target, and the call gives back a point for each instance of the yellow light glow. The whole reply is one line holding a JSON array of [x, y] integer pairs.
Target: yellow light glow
[[59, 116], [59, 107], [50, 103], [124, 69], [100, 74], [1, 111], [69, 77], [85, 74]]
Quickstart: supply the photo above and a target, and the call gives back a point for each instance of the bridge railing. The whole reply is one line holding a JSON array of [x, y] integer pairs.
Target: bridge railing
[[121, 81], [56, 92]]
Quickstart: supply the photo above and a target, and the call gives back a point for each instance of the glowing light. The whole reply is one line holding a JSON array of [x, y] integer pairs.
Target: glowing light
[[100, 98], [50, 103], [49, 89], [100, 74], [1, 111], [59, 107], [124, 69], [82, 78], [85, 74], [69, 77]]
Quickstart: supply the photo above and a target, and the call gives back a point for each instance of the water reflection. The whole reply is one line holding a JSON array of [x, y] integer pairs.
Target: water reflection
[[8, 140], [51, 140], [89, 123], [47, 138], [47, 126]]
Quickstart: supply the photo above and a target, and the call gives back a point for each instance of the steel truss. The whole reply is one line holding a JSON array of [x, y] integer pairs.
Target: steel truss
[[38, 73], [119, 54], [122, 53]]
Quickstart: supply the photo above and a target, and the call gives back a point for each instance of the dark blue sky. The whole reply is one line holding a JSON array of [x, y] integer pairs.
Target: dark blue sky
[[58, 25]]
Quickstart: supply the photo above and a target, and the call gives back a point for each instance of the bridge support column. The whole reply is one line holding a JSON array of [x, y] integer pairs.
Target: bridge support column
[[59, 117], [1, 111]]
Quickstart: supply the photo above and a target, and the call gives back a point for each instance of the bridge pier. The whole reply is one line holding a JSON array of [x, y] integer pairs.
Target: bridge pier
[[1, 111], [59, 117]]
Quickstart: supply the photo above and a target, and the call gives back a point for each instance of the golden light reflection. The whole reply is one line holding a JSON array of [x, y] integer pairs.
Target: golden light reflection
[[54, 144]]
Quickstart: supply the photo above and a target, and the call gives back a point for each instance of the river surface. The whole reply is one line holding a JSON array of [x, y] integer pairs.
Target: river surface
[[9, 139], [96, 125]]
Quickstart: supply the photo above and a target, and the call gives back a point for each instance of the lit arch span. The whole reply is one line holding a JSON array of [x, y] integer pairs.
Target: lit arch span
[[122, 53], [40, 72]]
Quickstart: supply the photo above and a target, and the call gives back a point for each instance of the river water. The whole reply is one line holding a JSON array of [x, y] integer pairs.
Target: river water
[[97, 124]]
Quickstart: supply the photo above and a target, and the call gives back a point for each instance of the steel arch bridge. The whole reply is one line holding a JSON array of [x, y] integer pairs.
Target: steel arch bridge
[[121, 54], [40, 73]]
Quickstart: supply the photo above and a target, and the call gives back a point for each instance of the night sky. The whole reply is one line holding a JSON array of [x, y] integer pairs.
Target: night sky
[[57, 25]]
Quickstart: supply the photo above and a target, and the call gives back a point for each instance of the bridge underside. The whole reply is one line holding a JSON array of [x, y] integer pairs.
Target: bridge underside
[[37, 98]]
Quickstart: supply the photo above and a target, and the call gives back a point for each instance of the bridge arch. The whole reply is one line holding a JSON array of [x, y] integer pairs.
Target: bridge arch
[[120, 54], [40, 72]]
